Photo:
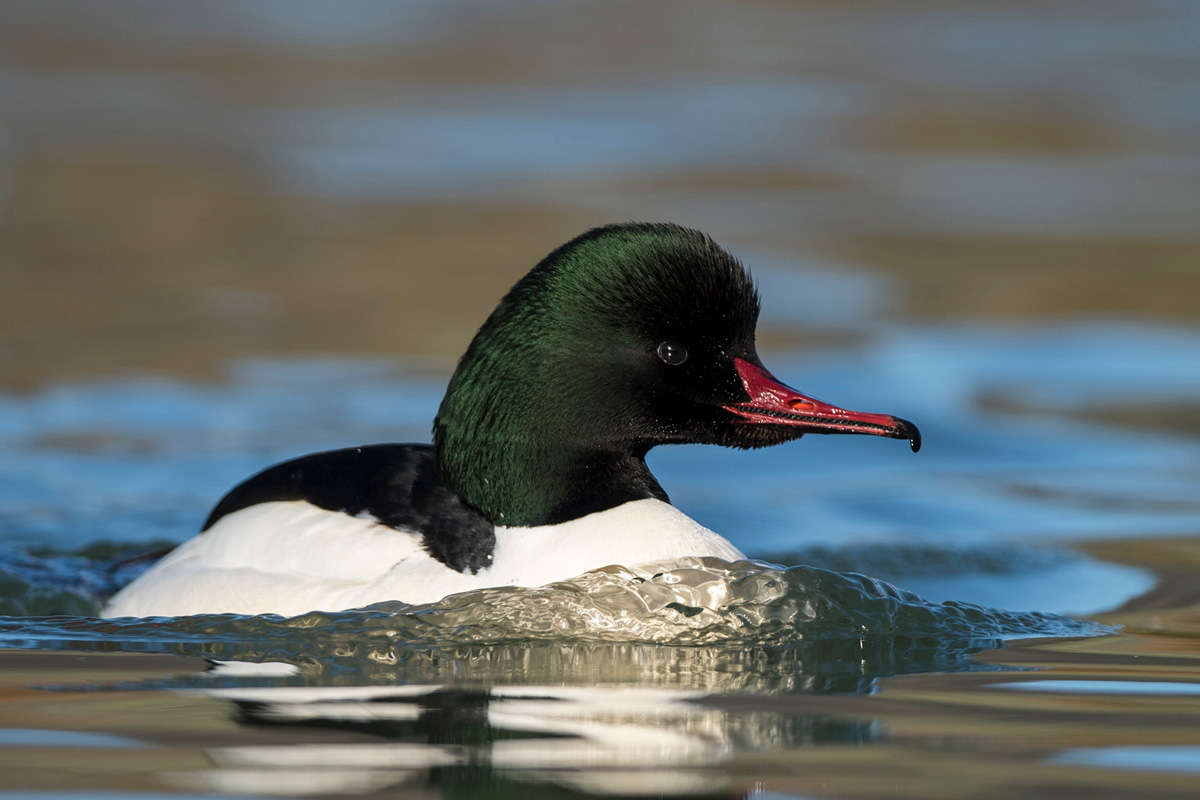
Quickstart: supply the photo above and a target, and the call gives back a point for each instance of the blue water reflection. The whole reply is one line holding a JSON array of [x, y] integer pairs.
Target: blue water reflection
[[1009, 468], [1156, 688], [139, 461], [475, 142], [1147, 758]]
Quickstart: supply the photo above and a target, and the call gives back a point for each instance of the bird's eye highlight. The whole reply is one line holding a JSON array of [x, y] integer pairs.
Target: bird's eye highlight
[[672, 353]]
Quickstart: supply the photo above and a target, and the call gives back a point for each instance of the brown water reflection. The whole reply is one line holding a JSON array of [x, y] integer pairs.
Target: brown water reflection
[[184, 186], [948, 735]]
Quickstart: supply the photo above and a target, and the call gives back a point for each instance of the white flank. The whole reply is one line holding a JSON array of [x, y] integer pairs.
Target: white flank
[[289, 558]]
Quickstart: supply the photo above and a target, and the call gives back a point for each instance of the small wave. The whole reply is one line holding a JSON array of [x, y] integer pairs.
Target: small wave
[[710, 601], [701, 624], [696, 601]]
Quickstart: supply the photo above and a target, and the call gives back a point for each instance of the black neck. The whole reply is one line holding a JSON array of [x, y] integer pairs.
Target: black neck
[[521, 484], [600, 482]]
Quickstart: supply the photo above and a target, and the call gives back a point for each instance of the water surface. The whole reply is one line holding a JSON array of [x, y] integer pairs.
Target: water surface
[[232, 233], [575, 685]]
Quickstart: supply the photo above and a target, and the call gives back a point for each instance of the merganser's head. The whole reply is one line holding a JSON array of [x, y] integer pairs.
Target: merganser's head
[[627, 337]]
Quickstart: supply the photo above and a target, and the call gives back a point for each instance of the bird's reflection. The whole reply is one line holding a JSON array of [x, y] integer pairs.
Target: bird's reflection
[[614, 720], [596, 740]]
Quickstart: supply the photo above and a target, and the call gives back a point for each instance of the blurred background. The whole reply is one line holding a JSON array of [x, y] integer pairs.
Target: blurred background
[[186, 184], [234, 231]]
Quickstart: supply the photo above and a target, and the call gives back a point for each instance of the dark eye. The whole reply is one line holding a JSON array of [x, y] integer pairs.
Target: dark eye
[[672, 353]]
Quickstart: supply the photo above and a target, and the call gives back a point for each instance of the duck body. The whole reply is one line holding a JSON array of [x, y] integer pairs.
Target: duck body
[[627, 337], [342, 530]]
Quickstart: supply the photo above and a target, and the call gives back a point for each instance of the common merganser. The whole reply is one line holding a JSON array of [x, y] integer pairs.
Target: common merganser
[[629, 336]]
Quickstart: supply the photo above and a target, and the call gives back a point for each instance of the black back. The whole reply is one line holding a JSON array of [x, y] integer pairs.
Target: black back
[[396, 484]]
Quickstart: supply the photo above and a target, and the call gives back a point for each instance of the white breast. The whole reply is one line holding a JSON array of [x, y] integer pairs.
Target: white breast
[[633, 534], [288, 558]]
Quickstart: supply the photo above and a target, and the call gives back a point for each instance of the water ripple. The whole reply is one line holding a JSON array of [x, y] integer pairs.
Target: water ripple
[[707, 602]]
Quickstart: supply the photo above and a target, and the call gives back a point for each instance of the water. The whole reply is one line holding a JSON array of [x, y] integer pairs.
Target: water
[[615, 679], [232, 233], [983, 516]]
